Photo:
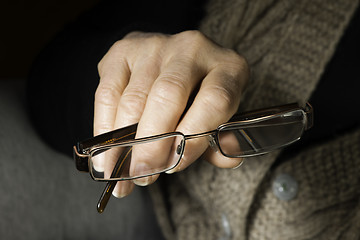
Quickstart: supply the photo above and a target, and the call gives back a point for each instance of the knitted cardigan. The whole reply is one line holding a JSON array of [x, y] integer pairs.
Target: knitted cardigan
[[287, 44]]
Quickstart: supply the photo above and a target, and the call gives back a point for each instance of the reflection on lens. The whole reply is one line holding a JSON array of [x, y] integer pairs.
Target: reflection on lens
[[261, 136], [139, 158]]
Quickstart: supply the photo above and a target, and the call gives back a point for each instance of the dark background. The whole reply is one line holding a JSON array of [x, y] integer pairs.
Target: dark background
[[26, 26]]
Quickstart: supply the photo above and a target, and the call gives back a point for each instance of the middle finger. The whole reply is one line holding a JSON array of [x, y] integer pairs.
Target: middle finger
[[165, 104]]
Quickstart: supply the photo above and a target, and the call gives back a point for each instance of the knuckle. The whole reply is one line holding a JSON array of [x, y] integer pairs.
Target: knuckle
[[170, 89], [234, 69], [133, 34], [115, 57], [193, 36], [133, 102], [234, 63], [219, 99], [106, 94], [157, 39], [190, 43], [172, 81], [100, 66], [147, 39], [121, 45], [119, 50]]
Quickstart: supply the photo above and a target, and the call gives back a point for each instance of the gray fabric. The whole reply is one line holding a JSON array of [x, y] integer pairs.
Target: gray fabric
[[44, 197]]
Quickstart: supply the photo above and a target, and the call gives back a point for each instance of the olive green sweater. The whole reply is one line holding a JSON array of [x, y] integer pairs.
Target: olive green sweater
[[288, 44]]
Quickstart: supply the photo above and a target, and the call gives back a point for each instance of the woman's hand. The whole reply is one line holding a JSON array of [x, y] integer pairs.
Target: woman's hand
[[148, 78]]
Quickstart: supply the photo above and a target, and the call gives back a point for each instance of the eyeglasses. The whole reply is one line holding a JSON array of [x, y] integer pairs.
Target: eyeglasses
[[245, 135]]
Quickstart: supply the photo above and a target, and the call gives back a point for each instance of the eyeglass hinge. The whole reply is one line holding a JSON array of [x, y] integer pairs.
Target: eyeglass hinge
[[81, 160]]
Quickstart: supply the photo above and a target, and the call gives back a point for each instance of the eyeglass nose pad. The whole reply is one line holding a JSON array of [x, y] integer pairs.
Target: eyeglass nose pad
[[180, 147], [212, 143]]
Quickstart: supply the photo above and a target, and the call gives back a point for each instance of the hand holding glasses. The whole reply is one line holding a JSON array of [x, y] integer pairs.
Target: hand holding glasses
[[245, 135]]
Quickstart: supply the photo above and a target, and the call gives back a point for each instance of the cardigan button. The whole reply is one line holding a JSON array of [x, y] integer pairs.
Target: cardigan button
[[226, 227], [285, 187]]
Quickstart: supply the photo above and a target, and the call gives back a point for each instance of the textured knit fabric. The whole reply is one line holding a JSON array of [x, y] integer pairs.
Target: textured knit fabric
[[288, 44]]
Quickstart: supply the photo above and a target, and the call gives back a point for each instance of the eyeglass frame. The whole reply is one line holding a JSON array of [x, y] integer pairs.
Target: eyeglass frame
[[82, 150], [125, 134]]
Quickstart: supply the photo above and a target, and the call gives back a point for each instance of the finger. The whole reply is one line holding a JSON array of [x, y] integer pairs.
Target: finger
[[153, 157], [122, 189], [168, 95], [215, 103], [132, 102], [219, 160], [164, 107], [144, 181], [114, 75], [230, 145]]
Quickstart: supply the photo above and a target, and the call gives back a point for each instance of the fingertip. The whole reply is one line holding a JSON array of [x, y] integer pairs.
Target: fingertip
[[144, 181], [98, 163], [220, 161], [174, 170], [99, 168], [117, 194], [239, 164], [123, 189], [171, 171]]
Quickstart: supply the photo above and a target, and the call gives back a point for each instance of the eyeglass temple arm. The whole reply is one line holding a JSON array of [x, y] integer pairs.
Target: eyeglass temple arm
[[248, 139], [81, 158], [117, 171]]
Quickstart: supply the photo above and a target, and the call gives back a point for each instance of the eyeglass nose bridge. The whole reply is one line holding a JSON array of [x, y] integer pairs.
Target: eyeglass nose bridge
[[211, 137]]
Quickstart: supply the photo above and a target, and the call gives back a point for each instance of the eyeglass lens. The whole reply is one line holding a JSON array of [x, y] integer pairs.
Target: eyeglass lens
[[238, 140], [138, 159]]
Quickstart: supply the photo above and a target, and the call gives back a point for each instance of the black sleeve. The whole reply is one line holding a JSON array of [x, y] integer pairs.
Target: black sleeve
[[63, 79]]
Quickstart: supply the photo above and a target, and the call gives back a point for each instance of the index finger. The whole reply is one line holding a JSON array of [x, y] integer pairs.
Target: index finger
[[114, 76]]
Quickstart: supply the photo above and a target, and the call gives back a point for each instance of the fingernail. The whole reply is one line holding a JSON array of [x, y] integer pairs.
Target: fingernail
[[177, 167], [144, 181], [99, 168], [171, 171], [142, 169], [120, 191], [117, 194], [98, 163], [237, 166]]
